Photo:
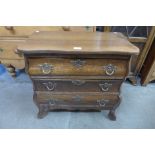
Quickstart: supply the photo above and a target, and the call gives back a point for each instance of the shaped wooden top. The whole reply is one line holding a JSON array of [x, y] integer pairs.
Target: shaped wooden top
[[78, 43]]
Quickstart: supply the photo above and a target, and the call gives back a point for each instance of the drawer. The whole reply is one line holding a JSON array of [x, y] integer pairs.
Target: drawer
[[28, 30], [58, 85], [78, 67], [76, 100]]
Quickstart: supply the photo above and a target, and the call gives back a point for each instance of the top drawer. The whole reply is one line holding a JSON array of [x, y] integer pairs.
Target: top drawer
[[117, 68], [28, 30]]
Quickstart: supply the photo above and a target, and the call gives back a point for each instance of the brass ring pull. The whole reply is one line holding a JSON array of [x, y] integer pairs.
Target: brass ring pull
[[102, 102], [50, 85], [110, 69], [105, 86], [46, 68]]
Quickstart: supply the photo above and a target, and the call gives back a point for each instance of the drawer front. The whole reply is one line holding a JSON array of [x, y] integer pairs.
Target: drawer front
[[77, 85], [28, 30], [92, 100], [75, 67]]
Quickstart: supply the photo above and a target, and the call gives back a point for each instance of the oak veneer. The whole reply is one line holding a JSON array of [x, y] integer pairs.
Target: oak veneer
[[77, 71]]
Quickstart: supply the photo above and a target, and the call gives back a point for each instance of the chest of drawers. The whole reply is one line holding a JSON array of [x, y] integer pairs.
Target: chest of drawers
[[77, 71]]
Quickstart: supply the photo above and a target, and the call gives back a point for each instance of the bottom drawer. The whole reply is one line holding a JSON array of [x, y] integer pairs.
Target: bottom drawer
[[76, 100]]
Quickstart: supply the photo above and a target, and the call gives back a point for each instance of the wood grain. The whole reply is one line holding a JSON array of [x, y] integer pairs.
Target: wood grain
[[64, 100], [68, 78], [64, 67], [78, 42], [84, 85]]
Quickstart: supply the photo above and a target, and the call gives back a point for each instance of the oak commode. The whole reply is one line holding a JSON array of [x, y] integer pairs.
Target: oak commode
[[77, 70]]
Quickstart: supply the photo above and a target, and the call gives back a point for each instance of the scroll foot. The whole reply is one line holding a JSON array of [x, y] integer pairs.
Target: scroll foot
[[133, 80], [112, 115], [43, 110]]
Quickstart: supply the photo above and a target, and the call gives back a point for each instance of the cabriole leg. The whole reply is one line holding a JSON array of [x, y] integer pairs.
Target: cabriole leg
[[43, 110], [133, 80], [112, 115]]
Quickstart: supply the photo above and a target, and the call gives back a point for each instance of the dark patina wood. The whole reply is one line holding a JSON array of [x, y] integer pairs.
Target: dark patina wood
[[68, 85], [77, 71], [76, 66]]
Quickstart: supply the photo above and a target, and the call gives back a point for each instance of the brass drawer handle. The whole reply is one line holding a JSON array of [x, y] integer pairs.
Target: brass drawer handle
[[109, 69], [50, 85], [78, 82], [46, 68], [102, 102], [78, 63], [105, 86]]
